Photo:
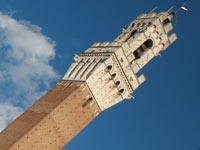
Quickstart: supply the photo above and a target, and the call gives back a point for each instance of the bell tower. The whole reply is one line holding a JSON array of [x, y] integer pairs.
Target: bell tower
[[110, 68], [102, 76]]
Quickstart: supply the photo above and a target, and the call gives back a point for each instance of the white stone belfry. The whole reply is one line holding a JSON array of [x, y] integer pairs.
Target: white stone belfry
[[110, 68]]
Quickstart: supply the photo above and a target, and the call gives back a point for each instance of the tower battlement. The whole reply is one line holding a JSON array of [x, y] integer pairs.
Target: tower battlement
[[110, 68]]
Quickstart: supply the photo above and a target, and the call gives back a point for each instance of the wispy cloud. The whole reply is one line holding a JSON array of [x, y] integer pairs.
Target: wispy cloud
[[25, 70], [8, 112]]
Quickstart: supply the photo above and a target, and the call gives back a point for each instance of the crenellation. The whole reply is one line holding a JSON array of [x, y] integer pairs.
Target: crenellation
[[163, 15], [141, 78], [168, 27], [164, 38], [96, 44], [113, 44], [165, 45], [77, 58], [173, 38], [151, 15], [141, 16], [135, 84], [104, 44]]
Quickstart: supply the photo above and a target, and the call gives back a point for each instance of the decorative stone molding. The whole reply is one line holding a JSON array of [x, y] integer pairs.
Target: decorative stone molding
[[110, 68]]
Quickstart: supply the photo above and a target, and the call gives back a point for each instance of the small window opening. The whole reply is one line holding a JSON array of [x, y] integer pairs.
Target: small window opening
[[108, 68], [87, 102], [133, 25], [90, 99], [166, 21], [169, 18], [121, 91], [113, 75], [117, 83], [146, 45], [150, 23], [138, 24], [143, 24]]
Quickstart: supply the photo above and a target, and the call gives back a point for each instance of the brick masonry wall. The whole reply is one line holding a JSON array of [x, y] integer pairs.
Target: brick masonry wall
[[53, 120]]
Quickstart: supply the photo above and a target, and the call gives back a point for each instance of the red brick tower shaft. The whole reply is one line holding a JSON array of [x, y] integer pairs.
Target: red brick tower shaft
[[53, 120]]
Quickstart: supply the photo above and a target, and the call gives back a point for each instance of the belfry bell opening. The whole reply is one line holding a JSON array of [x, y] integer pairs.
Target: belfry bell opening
[[140, 51]]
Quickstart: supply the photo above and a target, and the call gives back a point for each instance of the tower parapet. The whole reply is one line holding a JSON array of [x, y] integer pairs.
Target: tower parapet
[[110, 68]]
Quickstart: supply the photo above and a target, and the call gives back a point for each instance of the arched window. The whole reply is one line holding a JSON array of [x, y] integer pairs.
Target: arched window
[[140, 51], [148, 43], [133, 25], [133, 33]]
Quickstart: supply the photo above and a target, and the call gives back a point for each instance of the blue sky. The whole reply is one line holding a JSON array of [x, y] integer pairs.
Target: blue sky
[[165, 114]]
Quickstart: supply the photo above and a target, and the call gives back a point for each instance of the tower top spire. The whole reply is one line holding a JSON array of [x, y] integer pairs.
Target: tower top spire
[[174, 9], [177, 7]]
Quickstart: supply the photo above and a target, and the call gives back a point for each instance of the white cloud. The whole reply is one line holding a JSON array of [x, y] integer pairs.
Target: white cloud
[[25, 70], [8, 112]]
